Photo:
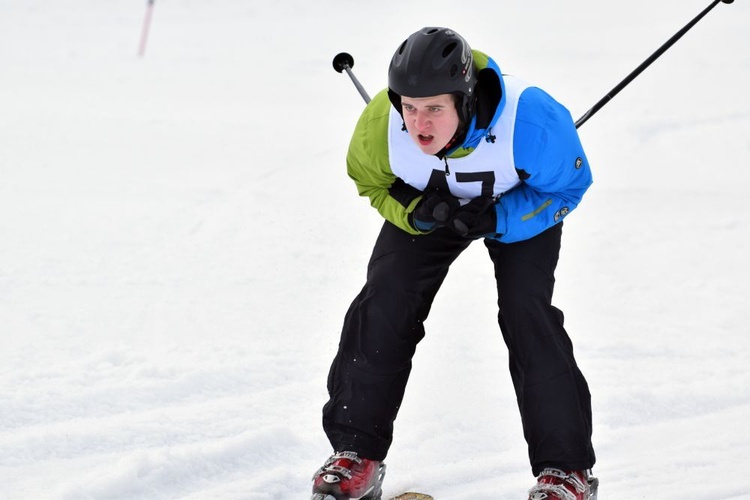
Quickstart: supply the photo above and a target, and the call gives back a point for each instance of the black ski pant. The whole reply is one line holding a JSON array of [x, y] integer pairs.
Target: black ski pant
[[385, 322]]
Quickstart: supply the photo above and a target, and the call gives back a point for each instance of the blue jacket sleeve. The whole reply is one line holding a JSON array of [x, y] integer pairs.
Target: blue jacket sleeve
[[552, 166]]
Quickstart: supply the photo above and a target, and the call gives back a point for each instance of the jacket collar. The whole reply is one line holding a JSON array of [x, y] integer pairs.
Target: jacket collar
[[490, 95]]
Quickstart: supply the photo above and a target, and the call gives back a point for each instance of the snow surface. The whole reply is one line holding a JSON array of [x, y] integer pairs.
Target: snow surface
[[179, 243]]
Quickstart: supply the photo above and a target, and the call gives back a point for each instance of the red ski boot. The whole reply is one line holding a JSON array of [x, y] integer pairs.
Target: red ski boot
[[345, 476], [555, 484]]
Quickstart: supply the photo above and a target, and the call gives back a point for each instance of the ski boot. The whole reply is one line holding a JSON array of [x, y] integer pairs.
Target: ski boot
[[555, 484], [345, 476]]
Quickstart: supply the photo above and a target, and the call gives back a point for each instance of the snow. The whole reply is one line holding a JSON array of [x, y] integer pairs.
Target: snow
[[179, 243]]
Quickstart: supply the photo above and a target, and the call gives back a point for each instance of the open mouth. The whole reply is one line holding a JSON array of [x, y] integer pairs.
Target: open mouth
[[425, 140]]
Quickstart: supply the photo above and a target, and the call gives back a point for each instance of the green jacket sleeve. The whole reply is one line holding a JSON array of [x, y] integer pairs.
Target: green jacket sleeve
[[368, 166]]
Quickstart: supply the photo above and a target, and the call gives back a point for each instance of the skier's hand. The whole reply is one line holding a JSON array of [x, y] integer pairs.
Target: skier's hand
[[434, 210], [476, 219]]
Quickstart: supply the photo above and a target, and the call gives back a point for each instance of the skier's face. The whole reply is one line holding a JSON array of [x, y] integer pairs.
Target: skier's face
[[431, 121]]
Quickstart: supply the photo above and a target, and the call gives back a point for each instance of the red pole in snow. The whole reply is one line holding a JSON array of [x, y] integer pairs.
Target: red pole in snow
[[146, 26]]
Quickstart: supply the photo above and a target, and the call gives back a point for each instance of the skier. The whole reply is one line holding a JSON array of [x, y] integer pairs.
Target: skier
[[451, 152]]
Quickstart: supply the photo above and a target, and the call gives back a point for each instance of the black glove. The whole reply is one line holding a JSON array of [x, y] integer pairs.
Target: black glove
[[476, 219], [434, 210]]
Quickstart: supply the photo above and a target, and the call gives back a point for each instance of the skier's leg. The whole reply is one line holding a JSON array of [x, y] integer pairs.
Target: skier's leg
[[381, 330], [552, 393]]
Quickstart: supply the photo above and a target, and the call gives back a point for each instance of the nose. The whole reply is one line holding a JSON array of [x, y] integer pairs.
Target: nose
[[421, 121]]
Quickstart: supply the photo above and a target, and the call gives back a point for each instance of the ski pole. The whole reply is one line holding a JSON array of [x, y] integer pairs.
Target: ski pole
[[345, 62], [645, 64]]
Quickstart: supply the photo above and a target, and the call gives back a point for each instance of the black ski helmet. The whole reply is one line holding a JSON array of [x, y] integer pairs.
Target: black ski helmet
[[430, 62]]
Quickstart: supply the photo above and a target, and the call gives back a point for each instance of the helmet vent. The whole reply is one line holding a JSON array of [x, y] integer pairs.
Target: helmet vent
[[448, 49], [432, 61]]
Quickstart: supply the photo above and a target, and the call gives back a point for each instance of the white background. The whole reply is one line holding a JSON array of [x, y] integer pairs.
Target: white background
[[179, 243]]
